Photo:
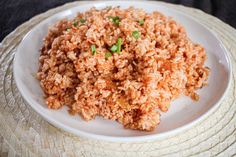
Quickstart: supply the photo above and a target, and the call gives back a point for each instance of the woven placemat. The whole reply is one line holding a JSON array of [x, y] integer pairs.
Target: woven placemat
[[24, 133]]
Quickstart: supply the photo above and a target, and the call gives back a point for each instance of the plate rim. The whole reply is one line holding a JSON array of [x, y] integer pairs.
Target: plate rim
[[141, 138]]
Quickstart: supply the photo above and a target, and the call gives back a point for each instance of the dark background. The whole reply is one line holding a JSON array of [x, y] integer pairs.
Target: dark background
[[15, 12]]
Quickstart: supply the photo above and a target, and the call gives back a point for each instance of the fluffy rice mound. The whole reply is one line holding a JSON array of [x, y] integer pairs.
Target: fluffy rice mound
[[122, 64]]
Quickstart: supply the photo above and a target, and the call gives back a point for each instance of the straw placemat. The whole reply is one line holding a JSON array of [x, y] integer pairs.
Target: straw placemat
[[24, 133]]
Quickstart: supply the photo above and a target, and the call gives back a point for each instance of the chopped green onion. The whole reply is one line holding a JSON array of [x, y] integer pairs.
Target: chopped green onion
[[107, 55], [141, 22], [115, 19], [82, 21], [113, 48], [136, 34], [75, 23], [93, 49], [119, 43], [117, 46]]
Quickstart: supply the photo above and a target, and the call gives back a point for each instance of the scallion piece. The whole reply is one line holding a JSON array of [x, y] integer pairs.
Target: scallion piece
[[115, 19], [119, 43], [141, 22], [93, 49], [113, 48], [75, 23], [117, 47], [136, 34], [82, 21]]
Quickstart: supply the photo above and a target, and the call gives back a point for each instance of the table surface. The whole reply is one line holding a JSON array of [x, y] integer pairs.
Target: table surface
[[15, 12]]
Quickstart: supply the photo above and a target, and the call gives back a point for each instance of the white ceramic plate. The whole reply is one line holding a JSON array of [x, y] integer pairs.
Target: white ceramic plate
[[183, 112]]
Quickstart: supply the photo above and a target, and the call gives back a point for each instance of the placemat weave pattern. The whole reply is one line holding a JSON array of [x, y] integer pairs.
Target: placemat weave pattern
[[24, 133]]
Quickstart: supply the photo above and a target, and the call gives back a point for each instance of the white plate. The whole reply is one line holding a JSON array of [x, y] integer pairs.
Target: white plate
[[183, 112]]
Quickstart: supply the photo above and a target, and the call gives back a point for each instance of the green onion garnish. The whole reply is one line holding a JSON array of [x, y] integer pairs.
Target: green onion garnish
[[113, 48], [117, 46], [136, 34], [82, 21], [141, 22], [107, 55], [115, 19], [75, 23], [93, 49], [119, 43]]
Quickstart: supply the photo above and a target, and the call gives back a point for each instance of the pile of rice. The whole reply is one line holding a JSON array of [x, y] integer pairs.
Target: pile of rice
[[122, 64]]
